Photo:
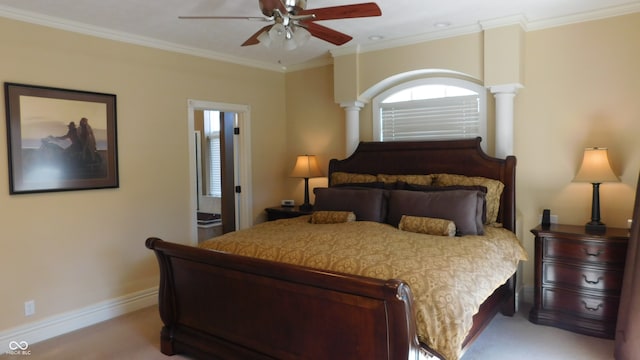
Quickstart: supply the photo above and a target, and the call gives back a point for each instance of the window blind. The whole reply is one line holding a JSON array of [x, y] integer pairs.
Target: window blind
[[215, 174], [441, 118]]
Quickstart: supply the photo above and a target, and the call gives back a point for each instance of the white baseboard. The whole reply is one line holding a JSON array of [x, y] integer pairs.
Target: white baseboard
[[80, 318]]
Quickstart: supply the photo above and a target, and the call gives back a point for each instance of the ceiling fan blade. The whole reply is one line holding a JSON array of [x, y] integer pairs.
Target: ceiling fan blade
[[269, 6], [255, 18], [327, 34], [253, 40], [343, 12]]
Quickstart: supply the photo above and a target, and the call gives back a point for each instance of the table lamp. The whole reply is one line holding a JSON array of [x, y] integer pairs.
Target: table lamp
[[595, 169], [306, 167]]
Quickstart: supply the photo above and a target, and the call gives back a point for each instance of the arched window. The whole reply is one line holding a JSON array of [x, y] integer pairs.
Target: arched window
[[430, 108]]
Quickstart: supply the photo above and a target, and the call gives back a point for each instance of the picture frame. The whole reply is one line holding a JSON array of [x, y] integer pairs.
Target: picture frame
[[60, 139]]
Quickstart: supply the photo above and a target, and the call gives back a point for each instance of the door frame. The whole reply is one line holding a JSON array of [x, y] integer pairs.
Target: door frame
[[242, 163]]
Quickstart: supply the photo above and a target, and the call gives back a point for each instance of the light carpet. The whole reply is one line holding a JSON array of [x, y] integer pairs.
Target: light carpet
[[509, 338]]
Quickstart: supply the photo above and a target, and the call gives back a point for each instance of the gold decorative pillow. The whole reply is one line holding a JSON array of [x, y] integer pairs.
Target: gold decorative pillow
[[339, 177], [494, 190], [409, 179], [332, 217], [427, 225]]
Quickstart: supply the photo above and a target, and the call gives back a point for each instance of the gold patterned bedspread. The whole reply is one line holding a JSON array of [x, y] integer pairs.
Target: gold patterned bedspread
[[449, 276]]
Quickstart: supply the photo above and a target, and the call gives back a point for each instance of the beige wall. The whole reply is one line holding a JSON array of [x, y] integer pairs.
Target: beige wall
[[462, 54], [580, 89], [69, 250], [315, 125]]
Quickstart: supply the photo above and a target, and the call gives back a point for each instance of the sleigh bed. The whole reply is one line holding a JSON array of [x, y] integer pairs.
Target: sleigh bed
[[272, 292]]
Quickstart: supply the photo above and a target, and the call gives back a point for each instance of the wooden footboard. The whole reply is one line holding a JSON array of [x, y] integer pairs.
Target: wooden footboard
[[217, 305]]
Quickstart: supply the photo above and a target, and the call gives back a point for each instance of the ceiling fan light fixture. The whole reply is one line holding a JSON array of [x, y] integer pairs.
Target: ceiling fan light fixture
[[295, 36], [284, 37], [301, 35], [289, 44], [277, 32]]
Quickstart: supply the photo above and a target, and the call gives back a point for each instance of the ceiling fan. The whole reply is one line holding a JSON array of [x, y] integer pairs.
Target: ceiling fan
[[293, 24]]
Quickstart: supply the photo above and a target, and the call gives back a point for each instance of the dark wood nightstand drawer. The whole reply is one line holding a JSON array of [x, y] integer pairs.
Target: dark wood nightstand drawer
[[583, 277], [588, 251], [580, 304], [578, 278]]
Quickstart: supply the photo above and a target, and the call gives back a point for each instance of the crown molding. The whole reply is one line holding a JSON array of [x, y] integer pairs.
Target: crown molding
[[586, 16], [519, 19], [406, 41], [100, 32], [314, 63]]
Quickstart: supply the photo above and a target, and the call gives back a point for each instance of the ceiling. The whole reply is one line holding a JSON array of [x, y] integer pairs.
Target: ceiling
[[155, 23]]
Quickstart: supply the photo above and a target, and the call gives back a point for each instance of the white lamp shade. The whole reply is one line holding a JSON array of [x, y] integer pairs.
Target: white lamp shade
[[595, 167], [306, 167]]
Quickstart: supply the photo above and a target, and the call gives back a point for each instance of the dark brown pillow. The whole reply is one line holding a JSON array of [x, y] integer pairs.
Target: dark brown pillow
[[367, 204], [494, 190], [401, 185], [463, 207]]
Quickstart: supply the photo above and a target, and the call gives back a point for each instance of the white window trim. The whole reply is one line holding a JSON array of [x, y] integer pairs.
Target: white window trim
[[479, 89]]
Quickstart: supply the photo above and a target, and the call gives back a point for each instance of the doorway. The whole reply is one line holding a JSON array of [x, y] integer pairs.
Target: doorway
[[224, 205], [214, 137]]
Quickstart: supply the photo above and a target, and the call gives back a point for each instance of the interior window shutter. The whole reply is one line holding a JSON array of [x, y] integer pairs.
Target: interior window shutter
[[442, 118]]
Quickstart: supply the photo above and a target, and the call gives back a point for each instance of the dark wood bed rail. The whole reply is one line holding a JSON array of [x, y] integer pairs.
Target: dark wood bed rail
[[350, 317]]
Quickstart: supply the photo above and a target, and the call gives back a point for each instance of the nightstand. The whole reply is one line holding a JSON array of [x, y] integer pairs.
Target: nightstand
[[285, 212], [578, 278]]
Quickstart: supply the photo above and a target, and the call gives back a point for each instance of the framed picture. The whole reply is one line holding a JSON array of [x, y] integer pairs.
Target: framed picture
[[59, 139]]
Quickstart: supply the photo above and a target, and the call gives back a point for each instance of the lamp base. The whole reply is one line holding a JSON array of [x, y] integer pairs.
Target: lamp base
[[595, 227], [306, 206]]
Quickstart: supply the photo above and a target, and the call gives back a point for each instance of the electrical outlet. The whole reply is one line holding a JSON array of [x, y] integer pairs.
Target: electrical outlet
[[29, 307]]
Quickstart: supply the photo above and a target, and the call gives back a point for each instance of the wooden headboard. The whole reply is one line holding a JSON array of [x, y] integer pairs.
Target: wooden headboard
[[462, 157]]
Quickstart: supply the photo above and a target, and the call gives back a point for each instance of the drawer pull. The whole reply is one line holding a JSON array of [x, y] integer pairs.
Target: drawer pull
[[586, 251], [591, 308], [592, 282]]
